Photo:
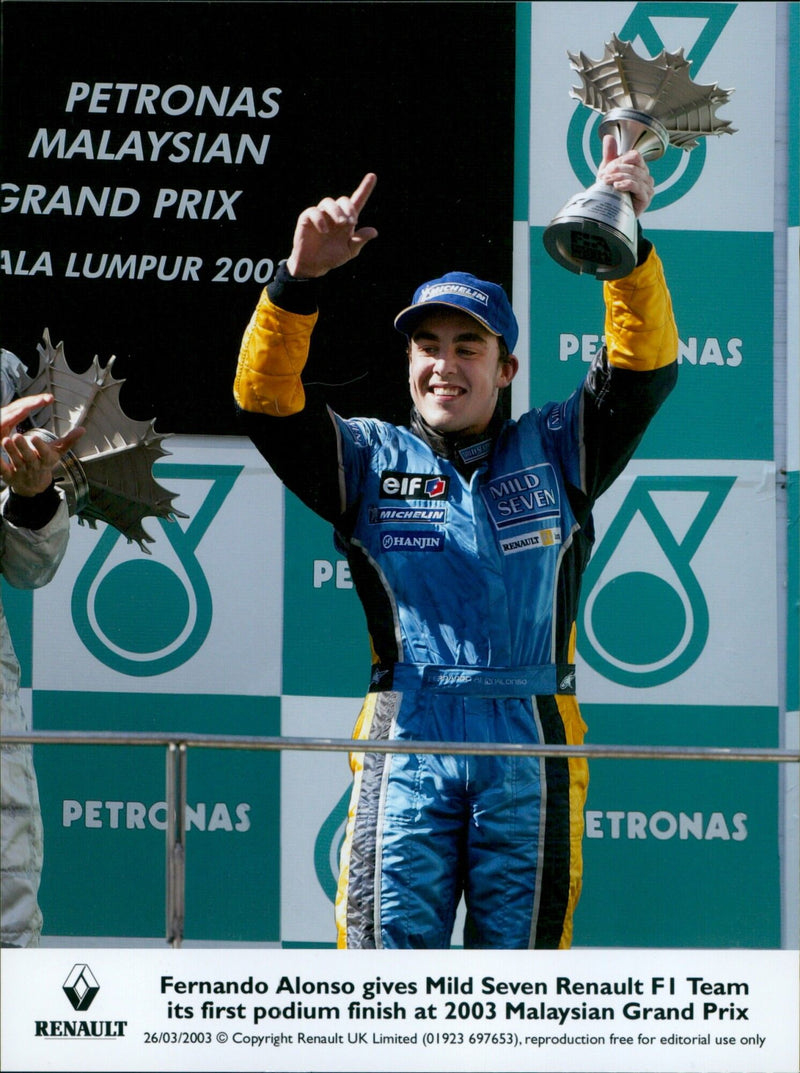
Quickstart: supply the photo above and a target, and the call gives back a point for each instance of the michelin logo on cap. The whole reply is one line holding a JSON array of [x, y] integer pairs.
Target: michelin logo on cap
[[428, 294], [485, 301]]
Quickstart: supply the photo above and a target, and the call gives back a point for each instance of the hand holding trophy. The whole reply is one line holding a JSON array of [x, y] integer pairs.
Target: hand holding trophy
[[647, 105]]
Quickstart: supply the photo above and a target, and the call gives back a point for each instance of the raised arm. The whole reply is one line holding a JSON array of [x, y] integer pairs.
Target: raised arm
[[35, 520], [637, 369], [640, 328], [296, 432], [275, 345]]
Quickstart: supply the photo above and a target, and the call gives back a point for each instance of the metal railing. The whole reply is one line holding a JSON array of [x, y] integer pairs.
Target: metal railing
[[178, 745]]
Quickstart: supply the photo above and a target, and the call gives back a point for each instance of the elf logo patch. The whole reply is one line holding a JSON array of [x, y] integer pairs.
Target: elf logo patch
[[397, 485]]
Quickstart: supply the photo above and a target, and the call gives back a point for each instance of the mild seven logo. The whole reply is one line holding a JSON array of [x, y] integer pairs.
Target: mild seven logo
[[677, 171], [523, 496]]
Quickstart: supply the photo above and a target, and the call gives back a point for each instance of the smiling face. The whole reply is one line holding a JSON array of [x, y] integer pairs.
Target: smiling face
[[456, 372]]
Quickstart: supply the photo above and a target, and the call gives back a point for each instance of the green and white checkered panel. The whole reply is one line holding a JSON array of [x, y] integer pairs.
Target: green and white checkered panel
[[678, 640]]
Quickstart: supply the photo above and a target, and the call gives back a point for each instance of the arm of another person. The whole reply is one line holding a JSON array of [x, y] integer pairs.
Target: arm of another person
[[293, 428], [34, 513]]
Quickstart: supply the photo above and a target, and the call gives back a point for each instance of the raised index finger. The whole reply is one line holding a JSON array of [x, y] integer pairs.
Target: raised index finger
[[362, 192]]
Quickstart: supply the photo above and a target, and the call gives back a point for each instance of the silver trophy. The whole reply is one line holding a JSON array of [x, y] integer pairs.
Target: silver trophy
[[647, 104], [107, 476]]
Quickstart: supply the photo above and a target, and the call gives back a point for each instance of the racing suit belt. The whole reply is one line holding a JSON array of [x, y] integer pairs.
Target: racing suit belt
[[541, 679]]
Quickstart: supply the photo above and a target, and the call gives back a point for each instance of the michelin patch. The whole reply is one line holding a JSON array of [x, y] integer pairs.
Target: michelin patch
[[407, 515]]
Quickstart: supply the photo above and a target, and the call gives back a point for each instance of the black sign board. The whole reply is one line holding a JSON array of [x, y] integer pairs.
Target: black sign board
[[156, 156]]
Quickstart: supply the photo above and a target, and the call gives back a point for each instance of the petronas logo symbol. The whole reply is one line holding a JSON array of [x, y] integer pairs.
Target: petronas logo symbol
[[146, 616], [644, 619]]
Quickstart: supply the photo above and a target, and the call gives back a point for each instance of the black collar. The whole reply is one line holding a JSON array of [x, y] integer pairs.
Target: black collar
[[466, 452]]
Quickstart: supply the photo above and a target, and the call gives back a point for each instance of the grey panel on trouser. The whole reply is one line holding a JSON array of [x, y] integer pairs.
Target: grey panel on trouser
[[21, 840], [363, 848]]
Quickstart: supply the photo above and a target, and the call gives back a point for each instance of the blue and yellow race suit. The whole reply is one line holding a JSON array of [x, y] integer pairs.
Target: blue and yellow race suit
[[467, 555]]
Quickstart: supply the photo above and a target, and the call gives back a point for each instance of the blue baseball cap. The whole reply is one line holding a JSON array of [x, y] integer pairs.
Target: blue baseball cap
[[486, 302]]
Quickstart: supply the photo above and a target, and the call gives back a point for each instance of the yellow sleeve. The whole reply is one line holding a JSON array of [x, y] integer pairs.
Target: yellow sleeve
[[273, 355], [640, 327]]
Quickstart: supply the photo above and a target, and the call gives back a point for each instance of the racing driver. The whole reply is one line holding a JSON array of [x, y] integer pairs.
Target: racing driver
[[472, 641]]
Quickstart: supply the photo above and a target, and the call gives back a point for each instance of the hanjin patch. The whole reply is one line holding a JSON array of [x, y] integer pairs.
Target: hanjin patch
[[412, 540]]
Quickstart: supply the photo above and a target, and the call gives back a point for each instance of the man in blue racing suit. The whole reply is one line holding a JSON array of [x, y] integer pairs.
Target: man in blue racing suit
[[466, 536]]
